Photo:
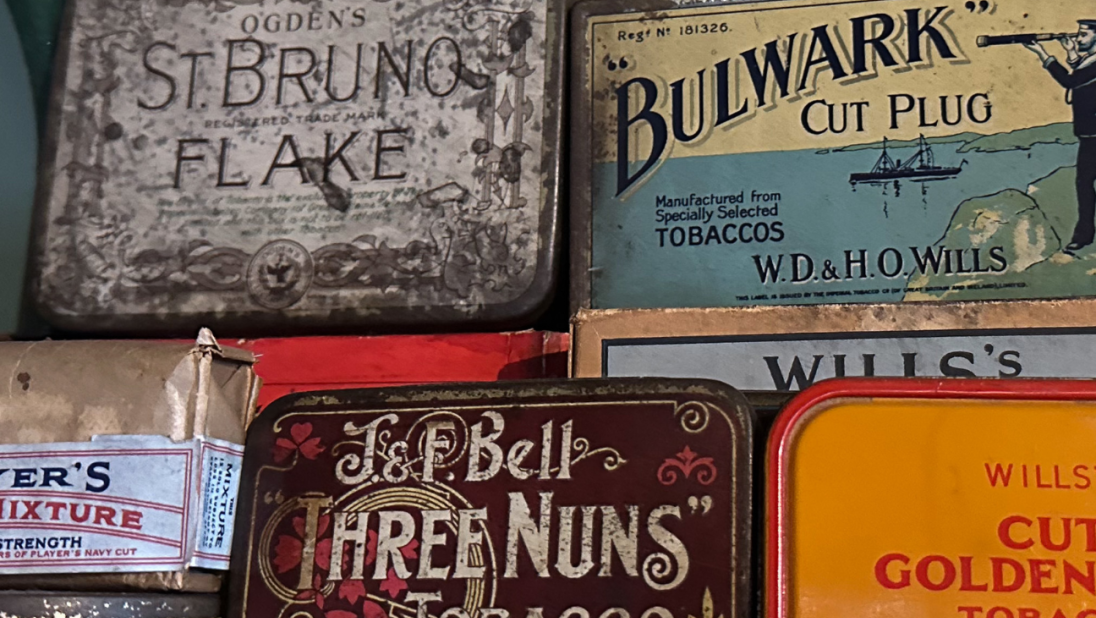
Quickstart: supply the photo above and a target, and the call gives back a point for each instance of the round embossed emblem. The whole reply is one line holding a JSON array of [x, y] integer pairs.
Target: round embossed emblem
[[279, 274]]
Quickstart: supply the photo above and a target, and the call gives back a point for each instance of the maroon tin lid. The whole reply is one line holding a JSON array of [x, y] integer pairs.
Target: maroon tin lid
[[611, 498]]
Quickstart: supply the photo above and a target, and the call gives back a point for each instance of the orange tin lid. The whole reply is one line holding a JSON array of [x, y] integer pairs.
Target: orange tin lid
[[919, 498]]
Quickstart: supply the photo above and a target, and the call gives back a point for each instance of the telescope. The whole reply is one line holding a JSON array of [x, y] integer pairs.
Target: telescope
[[1018, 39]]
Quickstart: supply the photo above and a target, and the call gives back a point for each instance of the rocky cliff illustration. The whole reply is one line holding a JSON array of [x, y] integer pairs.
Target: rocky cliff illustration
[[1031, 228]]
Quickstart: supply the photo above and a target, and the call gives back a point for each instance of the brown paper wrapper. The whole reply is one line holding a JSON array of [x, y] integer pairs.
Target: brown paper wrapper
[[70, 391]]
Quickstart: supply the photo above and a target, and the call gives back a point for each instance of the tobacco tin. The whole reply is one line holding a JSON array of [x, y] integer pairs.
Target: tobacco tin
[[488, 484], [830, 152], [788, 349], [260, 165], [932, 498], [91, 605]]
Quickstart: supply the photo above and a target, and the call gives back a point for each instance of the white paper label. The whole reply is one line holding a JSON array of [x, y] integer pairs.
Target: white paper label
[[792, 363], [220, 488], [117, 504]]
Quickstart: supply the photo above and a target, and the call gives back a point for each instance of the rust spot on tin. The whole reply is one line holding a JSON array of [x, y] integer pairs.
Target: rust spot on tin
[[113, 131], [510, 165], [520, 32], [479, 81], [335, 196]]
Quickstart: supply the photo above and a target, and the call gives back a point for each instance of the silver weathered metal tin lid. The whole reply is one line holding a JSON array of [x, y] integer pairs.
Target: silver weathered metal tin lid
[[92, 605], [258, 165]]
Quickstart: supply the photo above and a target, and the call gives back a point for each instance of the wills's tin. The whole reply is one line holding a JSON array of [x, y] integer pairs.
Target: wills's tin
[[550, 499], [90, 605], [932, 498], [790, 348], [811, 152], [323, 165]]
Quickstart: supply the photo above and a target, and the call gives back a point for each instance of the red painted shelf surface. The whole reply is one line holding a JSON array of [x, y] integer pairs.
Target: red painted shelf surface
[[297, 364]]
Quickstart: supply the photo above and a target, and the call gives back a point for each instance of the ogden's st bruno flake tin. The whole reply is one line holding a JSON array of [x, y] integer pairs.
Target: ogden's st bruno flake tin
[[833, 151], [908, 498], [261, 163], [525, 499]]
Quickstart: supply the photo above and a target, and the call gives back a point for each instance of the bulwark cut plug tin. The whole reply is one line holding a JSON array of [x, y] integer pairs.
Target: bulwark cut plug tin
[[256, 164], [811, 152], [906, 498], [547, 499]]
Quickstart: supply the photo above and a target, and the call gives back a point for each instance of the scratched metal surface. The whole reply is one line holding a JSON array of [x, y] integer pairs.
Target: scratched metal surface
[[92, 605], [257, 165]]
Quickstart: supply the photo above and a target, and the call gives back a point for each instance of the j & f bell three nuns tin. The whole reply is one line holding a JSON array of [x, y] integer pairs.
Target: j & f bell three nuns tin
[[549, 499]]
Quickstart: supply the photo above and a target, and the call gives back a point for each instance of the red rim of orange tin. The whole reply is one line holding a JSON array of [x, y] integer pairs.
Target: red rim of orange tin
[[800, 409]]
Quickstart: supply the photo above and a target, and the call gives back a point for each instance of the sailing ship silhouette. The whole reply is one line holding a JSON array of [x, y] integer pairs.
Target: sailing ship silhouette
[[921, 167]]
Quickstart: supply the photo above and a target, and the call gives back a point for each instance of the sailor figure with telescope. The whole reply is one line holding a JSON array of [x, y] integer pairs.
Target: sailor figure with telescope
[[1080, 84]]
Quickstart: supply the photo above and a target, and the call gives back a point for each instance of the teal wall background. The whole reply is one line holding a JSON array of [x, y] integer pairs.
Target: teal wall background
[[37, 23], [18, 158]]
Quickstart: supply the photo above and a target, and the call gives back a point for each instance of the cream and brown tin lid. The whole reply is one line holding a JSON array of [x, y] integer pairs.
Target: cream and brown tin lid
[[813, 152], [549, 498], [262, 165]]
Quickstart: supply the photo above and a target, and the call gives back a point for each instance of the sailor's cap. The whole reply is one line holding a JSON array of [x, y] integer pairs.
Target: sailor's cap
[[1091, 23]]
